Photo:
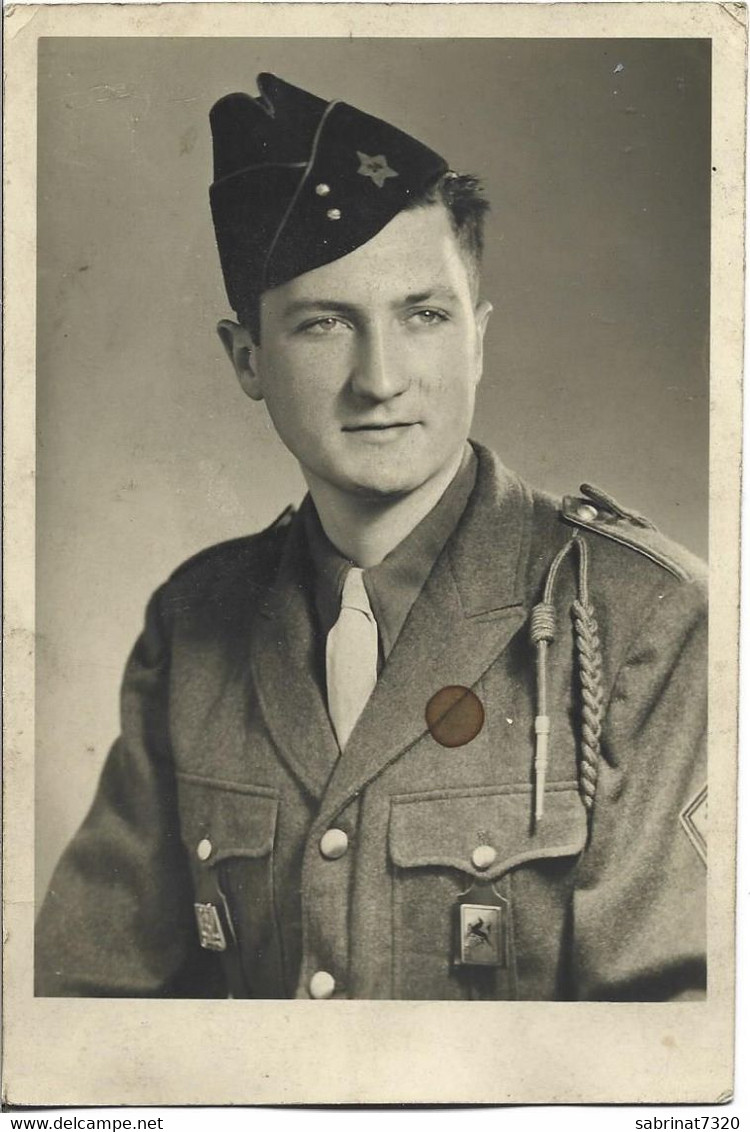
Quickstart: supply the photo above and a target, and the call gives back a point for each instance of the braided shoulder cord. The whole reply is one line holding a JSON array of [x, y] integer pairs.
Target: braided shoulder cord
[[542, 629], [590, 671]]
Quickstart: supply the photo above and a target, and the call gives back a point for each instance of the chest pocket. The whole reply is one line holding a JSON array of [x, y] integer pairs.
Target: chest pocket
[[224, 820], [443, 843], [229, 830]]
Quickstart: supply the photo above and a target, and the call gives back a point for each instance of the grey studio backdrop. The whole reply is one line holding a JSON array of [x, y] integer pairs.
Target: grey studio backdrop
[[596, 157]]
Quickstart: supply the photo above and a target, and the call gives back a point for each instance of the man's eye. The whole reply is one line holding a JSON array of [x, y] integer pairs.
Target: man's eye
[[429, 317], [328, 325]]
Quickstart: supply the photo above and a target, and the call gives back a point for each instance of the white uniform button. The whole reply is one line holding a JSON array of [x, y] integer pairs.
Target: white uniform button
[[322, 189], [586, 512], [483, 856], [322, 985], [334, 214], [333, 844], [204, 849]]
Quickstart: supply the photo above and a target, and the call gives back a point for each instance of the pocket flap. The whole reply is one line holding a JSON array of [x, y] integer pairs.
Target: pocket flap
[[447, 827], [226, 819]]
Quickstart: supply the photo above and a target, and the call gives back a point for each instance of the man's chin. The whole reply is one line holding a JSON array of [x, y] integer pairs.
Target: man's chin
[[381, 491], [373, 482]]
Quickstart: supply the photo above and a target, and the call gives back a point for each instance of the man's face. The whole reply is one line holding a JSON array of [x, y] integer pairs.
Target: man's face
[[369, 365]]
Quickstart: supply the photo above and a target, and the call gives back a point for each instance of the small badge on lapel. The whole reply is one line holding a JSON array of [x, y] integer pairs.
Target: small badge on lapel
[[481, 928], [454, 716], [210, 931]]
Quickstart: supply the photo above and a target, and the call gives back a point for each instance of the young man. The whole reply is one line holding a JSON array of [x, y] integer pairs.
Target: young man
[[433, 736]]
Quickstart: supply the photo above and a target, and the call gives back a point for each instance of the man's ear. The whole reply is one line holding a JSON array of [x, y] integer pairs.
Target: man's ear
[[482, 312], [241, 351]]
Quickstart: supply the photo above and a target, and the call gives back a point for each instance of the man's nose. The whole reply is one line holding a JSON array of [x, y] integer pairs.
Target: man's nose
[[379, 371]]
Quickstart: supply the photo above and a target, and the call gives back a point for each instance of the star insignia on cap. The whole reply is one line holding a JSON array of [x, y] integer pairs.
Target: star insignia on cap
[[376, 168]]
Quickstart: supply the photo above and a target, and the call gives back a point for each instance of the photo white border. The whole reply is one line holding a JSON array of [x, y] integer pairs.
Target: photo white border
[[84, 1051]]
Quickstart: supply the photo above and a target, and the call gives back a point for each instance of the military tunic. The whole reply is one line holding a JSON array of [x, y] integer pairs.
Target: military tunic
[[318, 875]]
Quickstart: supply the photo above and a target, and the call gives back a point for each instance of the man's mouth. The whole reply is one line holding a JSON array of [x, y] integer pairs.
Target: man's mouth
[[378, 427]]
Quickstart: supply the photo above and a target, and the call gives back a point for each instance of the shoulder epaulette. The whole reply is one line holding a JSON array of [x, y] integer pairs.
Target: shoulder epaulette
[[227, 548], [596, 511]]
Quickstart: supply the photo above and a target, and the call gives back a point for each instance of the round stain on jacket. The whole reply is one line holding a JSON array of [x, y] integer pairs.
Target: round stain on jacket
[[454, 716]]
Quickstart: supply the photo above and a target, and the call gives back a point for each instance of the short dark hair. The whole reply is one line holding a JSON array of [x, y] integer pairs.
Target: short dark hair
[[462, 194]]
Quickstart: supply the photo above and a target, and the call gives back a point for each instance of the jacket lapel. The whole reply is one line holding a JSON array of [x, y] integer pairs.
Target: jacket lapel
[[283, 657], [470, 607]]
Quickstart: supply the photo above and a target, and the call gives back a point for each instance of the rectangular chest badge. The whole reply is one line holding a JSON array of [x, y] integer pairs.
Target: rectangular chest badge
[[210, 931], [482, 934]]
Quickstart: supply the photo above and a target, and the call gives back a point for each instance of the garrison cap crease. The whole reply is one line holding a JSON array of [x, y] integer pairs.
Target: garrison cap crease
[[300, 182]]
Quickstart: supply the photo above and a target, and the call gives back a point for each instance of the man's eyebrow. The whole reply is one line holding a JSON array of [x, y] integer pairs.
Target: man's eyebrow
[[425, 296], [302, 306]]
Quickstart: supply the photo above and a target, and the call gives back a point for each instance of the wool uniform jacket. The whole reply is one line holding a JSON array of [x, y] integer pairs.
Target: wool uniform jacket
[[200, 870]]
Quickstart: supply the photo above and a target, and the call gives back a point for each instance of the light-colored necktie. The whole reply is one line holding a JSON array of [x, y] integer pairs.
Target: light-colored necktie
[[351, 657]]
